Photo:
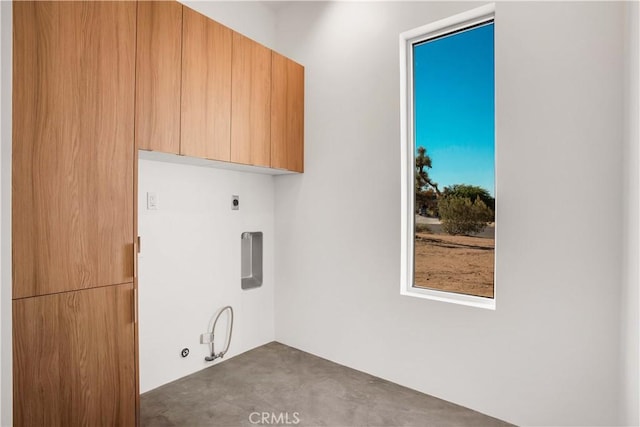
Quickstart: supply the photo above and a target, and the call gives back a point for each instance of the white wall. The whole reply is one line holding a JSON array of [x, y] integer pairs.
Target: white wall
[[550, 353], [6, 361], [630, 295], [189, 267], [251, 18]]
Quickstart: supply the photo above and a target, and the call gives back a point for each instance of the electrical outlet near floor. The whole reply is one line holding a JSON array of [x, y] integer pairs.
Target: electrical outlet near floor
[[206, 338]]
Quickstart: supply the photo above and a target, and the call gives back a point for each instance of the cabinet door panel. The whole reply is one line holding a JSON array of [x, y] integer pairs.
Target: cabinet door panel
[[73, 358], [73, 110], [287, 114], [158, 74], [206, 88], [251, 102]]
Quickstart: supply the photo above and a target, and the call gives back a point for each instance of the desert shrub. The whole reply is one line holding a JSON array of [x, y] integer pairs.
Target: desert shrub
[[459, 215], [471, 192]]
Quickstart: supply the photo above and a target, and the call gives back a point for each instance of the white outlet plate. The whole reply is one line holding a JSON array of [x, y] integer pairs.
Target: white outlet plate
[[206, 338]]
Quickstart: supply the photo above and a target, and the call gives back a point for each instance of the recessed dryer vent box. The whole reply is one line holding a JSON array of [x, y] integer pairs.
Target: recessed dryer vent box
[[251, 248]]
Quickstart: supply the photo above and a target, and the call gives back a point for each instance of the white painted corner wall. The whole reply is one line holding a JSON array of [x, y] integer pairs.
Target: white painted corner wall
[[551, 352], [189, 266]]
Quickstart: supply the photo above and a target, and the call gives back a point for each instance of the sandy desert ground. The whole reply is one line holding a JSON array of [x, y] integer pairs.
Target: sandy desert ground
[[463, 264]]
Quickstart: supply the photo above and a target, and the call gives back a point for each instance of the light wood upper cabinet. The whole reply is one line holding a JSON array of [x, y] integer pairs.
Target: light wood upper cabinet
[[73, 147], [73, 358], [206, 88], [158, 75], [206, 91], [287, 114], [251, 102]]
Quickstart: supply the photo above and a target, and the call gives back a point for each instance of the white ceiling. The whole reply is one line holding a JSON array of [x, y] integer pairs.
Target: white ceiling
[[275, 5]]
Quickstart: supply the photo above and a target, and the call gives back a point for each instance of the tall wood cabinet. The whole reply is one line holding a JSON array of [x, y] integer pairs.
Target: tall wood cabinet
[[72, 219], [73, 362], [72, 145]]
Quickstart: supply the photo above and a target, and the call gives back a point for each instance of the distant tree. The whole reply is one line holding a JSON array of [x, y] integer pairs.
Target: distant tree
[[426, 190], [470, 192], [459, 215], [427, 202], [423, 163]]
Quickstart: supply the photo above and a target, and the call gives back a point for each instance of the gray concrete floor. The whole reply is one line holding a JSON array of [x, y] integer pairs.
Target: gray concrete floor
[[279, 385]]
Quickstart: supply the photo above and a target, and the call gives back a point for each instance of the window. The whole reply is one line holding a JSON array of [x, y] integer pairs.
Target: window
[[448, 159]]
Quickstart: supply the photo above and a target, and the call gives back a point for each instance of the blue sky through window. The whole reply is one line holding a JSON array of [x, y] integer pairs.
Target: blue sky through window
[[455, 106]]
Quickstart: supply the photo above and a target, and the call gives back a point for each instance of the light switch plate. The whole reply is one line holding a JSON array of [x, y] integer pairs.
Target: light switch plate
[[152, 201], [235, 203]]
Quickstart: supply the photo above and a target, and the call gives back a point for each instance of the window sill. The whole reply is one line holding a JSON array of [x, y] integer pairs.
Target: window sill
[[449, 297]]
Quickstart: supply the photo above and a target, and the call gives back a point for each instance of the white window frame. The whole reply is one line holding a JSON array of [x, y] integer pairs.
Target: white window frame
[[407, 40]]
